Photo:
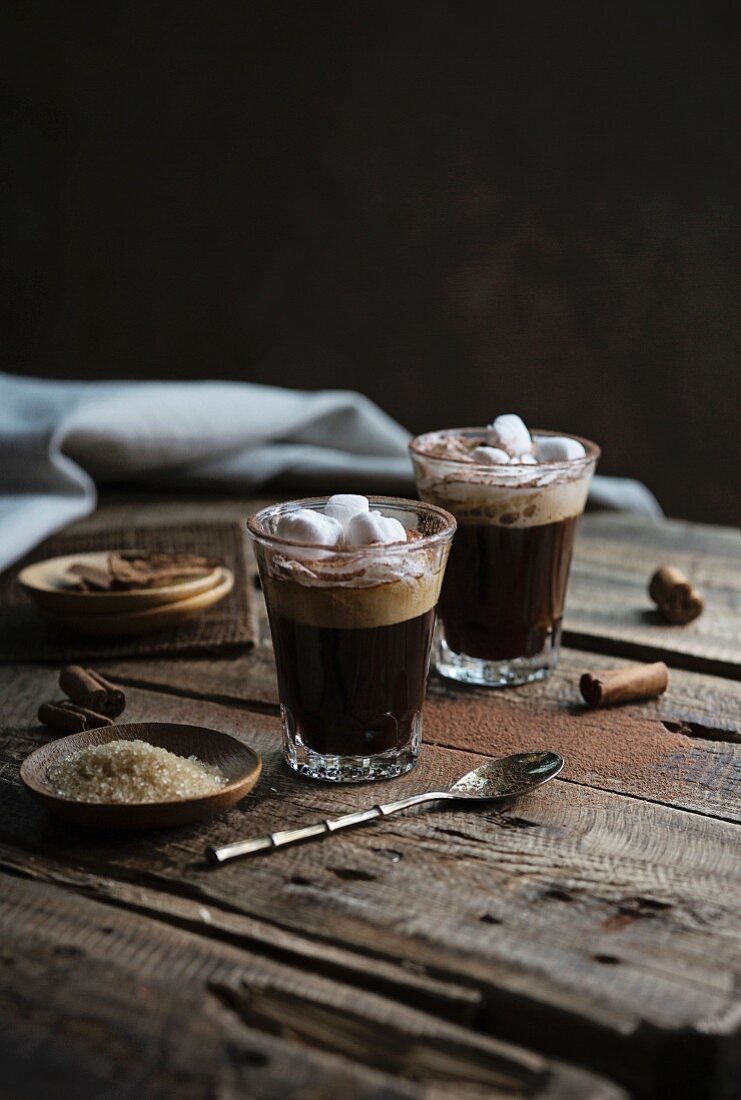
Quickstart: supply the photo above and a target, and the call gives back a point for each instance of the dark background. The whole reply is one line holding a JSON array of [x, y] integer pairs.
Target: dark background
[[459, 209]]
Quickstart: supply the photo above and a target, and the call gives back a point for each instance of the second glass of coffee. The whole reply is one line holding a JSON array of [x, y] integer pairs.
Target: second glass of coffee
[[505, 585], [351, 587]]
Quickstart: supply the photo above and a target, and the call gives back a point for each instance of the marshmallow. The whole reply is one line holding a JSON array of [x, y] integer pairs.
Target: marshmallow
[[508, 432], [367, 527], [343, 506], [559, 448], [524, 460], [305, 526], [490, 456]]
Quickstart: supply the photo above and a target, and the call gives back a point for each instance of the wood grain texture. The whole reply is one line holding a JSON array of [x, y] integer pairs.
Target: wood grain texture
[[448, 999], [696, 772], [588, 917], [706, 706], [215, 1017], [595, 922], [605, 749], [608, 609], [703, 703]]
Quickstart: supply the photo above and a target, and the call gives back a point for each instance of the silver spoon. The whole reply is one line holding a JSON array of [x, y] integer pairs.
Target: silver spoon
[[496, 779]]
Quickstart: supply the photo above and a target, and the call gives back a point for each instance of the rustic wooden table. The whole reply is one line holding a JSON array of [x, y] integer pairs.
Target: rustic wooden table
[[582, 942]]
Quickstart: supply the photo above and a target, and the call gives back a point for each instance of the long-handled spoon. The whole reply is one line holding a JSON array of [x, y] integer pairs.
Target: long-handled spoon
[[496, 779]]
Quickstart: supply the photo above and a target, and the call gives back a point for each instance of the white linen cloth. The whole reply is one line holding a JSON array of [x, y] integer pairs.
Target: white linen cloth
[[58, 439]]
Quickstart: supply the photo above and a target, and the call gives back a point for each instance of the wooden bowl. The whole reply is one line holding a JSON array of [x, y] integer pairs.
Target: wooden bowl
[[48, 584], [239, 763], [124, 624]]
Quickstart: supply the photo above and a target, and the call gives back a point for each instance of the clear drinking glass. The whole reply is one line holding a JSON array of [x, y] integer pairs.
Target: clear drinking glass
[[505, 585], [352, 629]]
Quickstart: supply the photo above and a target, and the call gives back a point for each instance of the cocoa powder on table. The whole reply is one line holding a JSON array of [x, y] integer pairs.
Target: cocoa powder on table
[[641, 754]]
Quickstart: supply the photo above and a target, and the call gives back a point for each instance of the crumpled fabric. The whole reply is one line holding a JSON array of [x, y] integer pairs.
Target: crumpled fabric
[[58, 440]]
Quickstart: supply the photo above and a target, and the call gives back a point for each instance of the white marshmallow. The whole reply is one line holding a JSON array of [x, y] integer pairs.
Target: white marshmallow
[[305, 526], [524, 460], [368, 527], [343, 506], [509, 433], [559, 448], [490, 456]]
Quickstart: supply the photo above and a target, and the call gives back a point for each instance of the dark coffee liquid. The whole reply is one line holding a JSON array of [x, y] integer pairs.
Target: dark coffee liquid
[[504, 588], [352, 692]]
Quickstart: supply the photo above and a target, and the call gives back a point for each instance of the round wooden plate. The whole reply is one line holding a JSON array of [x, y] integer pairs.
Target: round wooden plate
[[239, 763], [48, 584], [151, 619]]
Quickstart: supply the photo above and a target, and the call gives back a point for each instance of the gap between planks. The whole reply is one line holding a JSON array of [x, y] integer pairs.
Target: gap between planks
[[643, 651], [215, 919]]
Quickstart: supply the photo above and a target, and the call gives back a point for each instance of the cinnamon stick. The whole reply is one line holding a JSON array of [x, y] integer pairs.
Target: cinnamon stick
[[674, 595], [622, 685], [89, 689], [67, 716]]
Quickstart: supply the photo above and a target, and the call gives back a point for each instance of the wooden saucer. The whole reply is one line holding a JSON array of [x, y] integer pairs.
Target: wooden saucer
[[151, 619], [48, 584], [240, 763]]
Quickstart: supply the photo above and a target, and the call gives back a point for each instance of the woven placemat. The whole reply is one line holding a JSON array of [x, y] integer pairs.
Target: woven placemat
[[26, 635]]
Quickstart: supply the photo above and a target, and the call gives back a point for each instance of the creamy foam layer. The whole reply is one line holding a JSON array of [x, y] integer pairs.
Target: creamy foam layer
[[377, 576], [508, 495], [526, 506], [348, 595]]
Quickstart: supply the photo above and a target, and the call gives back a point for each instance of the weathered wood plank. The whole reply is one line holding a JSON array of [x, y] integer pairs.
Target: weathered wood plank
[[631, 754], [600, 919], [604, 748], [597, 925], [79, 1020], [185, 1007], [706, 706], [157, 507], [244, 680], [608, 608], [451, 1001], [664, 536]]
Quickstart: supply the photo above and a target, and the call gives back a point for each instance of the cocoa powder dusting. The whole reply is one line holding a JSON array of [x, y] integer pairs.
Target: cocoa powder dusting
[[640, 754]]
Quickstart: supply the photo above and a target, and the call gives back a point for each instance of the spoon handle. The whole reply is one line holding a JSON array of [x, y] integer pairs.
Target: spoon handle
[[320, 828]]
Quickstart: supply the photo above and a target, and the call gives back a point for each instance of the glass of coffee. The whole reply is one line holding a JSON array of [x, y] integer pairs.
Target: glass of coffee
[[503, 597], [351, 585]]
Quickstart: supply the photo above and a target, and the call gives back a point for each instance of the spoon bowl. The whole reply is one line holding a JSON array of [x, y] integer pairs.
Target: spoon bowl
[[509, 776]]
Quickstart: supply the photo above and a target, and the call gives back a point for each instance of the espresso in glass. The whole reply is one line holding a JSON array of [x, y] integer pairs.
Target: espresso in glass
[[503, 598], [352, 629], [352, 691]]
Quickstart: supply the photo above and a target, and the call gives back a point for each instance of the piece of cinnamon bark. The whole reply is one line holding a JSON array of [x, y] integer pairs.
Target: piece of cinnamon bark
[[624, 685], [128, 570], [89, 689], [157, 558], [71, 718], [134, 569], [90, 578], [674, 595]]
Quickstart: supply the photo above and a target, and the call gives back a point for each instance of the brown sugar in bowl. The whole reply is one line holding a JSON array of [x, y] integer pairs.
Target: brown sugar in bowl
[[239, 763]]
